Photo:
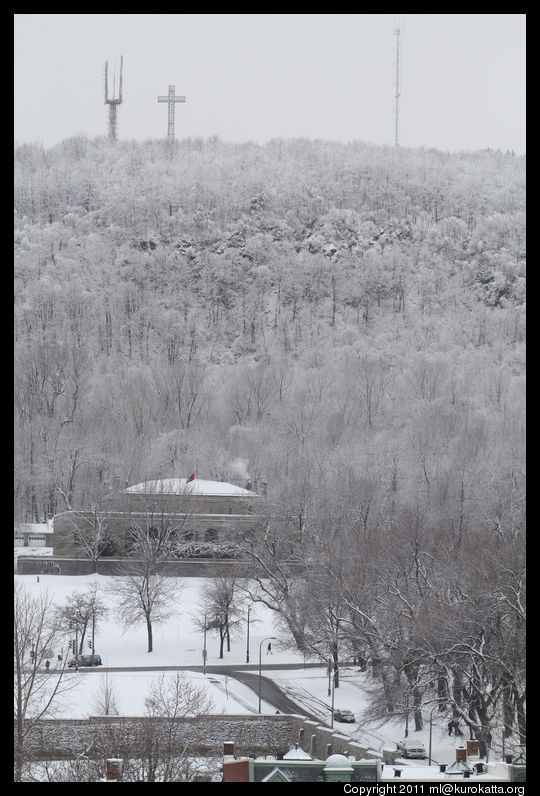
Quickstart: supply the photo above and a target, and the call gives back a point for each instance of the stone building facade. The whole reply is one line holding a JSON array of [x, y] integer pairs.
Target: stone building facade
[[197, 513]]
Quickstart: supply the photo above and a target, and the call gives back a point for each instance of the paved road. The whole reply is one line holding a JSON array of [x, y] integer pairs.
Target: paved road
[[244, 673], [225, 668], [270, 692]]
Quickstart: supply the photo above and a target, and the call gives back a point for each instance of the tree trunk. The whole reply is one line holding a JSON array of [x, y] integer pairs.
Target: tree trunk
[[221, 640], [149, 632], [411, 673], [520, 713], [508, 711], [442, 692], [228, 634], [457, 693], [335, 658]]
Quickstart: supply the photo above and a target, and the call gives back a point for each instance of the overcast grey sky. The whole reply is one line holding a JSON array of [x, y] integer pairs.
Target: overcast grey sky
[[262, 76]]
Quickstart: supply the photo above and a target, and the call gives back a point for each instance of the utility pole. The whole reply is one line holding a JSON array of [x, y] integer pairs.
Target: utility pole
[[397, 33]]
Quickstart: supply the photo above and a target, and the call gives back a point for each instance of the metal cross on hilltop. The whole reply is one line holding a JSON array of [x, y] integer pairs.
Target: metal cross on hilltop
[[171, 99]]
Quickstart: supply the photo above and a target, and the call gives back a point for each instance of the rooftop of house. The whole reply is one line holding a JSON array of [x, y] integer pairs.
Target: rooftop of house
[[186, 486], [33, 527]]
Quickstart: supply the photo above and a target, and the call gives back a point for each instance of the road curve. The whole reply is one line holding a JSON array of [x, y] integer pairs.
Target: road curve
[[244, 673]]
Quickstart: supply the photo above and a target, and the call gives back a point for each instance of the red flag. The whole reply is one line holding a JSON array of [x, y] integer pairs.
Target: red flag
[[191, 478]]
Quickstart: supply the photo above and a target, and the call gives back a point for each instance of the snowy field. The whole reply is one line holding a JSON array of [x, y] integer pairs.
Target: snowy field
[[227, 695], [179, 642]]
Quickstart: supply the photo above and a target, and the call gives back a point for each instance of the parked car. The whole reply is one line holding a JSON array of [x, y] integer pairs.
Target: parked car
[[345, 716], [410, 747], [86, 660]]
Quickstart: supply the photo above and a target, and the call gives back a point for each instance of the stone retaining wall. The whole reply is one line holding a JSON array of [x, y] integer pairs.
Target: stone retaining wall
[[97, 737], [185, 568]]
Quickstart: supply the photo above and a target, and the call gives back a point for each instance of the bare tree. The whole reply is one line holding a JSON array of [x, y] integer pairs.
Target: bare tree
[[166, 757], [223, 604], [273, 582], [83, 609], [37, 633], [155, 748], [106, 702], [144, 597], [91, 533]]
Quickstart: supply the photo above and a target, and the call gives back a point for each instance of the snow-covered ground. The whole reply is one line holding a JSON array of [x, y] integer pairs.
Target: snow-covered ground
[[178, 641], [32, 551], [228, 696], [310, 689]]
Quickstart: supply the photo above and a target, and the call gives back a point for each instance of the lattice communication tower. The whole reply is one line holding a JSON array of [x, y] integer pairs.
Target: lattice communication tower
[[397, 32], [114, 101]]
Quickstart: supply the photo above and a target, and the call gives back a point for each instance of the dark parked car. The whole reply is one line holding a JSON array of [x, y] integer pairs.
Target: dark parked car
[[86, 660], [345, 716]]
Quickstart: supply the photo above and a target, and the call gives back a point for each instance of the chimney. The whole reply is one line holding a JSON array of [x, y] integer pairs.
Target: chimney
[[461, 754], [328, 749], [473, 748], [264, 488], [249, 485], [116, 484], [301, 733], [114, 767], [228, 748], [313, 745]]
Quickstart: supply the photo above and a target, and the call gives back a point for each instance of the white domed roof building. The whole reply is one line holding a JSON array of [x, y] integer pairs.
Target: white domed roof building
[[197, 514], [188, 486]]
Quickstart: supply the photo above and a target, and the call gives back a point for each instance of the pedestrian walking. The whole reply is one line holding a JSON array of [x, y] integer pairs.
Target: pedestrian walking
[[37, 579], [47, 664], [269, 648], [59, 658]]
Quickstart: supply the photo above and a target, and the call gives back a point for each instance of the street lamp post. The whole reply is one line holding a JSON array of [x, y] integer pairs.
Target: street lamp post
[[247, 649], [76, 646], [333, 687], [204, 648], [93, 632], [268, 638], [407, 717], [329, 667]]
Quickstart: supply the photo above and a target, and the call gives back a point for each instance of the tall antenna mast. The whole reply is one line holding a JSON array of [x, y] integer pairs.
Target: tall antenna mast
[[113, 102], [397, 33]]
